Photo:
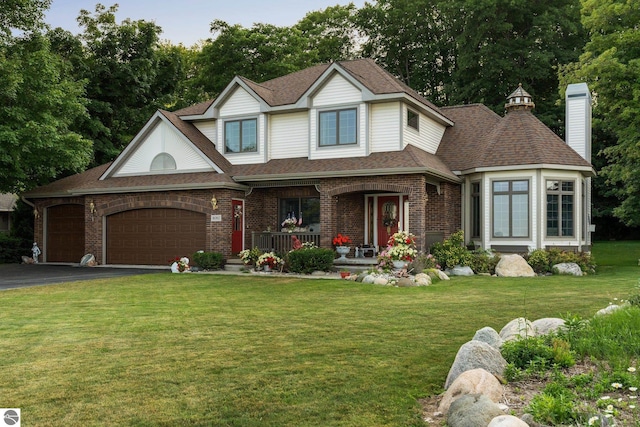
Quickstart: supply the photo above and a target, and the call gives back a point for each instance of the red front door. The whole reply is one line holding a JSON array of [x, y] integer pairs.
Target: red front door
[[388, 216], [237, 235]]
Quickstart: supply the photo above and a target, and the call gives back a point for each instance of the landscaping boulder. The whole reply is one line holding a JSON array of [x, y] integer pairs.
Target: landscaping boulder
[[460, 270], [514, 266], [547, 325], [476, 354], [569, 268], [423, 279], [517, 328], [368, 280], [435, 273], [406, 283], [489, 336], [528, 418], [472, 410], [380, 281], [507, 421], [475, 381], [608, 310]]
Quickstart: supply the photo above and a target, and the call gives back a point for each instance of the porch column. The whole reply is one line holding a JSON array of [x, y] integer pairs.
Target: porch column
[[328, 218], [417, 213]]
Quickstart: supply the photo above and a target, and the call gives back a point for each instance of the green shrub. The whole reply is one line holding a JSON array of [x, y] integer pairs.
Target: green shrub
[[306, 261], [539, 261], [483, 261], [538, 354], [208, 260], [584, 259], [548, 409], [12, 248], [452, 251], [423, 262]]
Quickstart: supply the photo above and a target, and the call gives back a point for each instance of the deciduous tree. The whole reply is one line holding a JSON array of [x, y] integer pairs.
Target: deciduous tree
[[39, 103], [610, 64]]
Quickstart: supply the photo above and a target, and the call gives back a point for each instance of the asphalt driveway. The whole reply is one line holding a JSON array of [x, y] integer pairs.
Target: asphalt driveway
[[24, 275]]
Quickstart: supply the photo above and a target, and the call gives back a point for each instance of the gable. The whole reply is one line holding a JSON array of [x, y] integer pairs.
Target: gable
[[159, 140], [337, 90], [239, 102]]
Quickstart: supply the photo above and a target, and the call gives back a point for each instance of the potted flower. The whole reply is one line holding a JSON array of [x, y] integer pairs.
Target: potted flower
[[340, 242], [344, 273], [249, 256], [269, 261], [289, 224], [401, 250], [179, 264]]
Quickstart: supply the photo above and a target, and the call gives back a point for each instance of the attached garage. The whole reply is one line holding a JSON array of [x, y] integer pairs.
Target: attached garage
[[65, 233], [154, 236]]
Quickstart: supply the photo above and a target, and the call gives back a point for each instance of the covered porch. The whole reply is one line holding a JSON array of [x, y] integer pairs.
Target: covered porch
[[367, 209]]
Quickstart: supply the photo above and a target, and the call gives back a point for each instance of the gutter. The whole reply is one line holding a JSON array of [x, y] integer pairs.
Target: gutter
[[120, 190], [344, 174]]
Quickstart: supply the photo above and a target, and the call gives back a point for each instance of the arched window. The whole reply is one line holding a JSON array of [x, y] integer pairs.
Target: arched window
[[162, 162]]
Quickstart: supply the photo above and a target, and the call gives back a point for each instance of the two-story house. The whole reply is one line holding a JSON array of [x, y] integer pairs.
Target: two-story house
[[344, 148]]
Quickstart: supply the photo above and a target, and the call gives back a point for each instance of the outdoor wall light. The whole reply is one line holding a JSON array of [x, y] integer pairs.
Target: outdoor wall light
[[92, 209], [214, 203]]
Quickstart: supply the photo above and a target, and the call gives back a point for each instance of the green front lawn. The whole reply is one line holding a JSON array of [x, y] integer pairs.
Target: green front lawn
[[243, 350]]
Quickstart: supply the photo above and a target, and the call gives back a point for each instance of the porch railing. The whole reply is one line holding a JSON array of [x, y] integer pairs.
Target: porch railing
[[280, 242]]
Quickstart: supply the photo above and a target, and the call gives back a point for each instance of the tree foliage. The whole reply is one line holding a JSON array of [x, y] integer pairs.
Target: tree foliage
[[129, 76], [266, 51], [500, 43], [610, 64], [21, 15], [39, 103], [412, 40]]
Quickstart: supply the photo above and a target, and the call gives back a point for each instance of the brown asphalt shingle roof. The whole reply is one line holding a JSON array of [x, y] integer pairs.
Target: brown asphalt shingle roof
[[410, 159], [287, 90], [481, 139], [88, 182]]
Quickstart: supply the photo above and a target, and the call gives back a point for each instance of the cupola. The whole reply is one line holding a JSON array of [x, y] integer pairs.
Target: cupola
[[519, 100]]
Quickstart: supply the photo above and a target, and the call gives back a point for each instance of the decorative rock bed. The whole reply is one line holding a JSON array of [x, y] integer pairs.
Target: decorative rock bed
[[400, 279]]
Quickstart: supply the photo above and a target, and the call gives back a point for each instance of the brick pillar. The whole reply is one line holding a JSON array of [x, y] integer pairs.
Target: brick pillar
[[328, 219], [417, 213]]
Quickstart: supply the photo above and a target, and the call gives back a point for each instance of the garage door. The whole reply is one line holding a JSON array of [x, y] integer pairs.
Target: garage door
[[153, 236], [65, 233]]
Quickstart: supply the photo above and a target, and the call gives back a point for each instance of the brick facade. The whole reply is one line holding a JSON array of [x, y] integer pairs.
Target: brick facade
[[342, 209]]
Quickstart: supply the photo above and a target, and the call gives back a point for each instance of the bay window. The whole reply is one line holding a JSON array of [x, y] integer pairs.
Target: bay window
[[560, 208], [511, 208]]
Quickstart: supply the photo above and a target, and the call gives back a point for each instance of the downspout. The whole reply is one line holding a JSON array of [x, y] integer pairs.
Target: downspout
[[35, 211]]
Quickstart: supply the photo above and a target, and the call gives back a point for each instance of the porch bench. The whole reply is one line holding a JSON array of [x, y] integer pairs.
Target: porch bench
[[366, 251]]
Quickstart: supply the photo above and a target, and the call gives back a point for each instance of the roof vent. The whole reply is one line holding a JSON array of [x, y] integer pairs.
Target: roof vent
[[519, 100]]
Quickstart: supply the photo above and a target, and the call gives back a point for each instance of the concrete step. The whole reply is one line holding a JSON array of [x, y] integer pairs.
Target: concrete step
[[234, 264]]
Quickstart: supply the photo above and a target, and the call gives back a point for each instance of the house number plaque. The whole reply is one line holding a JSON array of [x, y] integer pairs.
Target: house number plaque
[[216, 218]]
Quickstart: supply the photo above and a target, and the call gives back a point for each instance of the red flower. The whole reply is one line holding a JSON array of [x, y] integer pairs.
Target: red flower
[[341, 240]]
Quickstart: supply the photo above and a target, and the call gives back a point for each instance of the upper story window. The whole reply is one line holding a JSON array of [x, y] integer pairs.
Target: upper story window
[[338, 127], [162, 162], [413, 120], [511, 208], [560, 208], [241, 136]]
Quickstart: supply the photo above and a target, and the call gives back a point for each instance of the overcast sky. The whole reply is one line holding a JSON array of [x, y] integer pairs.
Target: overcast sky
[[188, 21]]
